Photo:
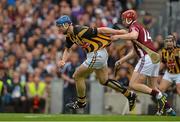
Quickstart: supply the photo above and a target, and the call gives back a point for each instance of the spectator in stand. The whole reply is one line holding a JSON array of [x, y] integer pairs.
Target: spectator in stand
[[66, 10], [11, 64], [124, 49], [36, 91], [122, 76], [6, 87], [89, 9], [48, 80], [77, 9], [111, 12], [148, 20], [177, 38], [2, 79], [2, 54], [160, 41], [84, 19], [112, 55], [23, 73], [19, 100]]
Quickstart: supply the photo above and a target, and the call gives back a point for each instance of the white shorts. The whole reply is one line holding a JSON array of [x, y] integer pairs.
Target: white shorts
[[97, 59], [146, 67], [171, 77]]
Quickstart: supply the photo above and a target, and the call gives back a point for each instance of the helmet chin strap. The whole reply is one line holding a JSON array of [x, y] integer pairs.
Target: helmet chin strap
[[128, 22], [66, 26], [174, 43]]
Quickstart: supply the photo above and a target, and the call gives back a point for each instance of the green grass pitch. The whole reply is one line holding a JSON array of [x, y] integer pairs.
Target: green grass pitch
[[60, 117]]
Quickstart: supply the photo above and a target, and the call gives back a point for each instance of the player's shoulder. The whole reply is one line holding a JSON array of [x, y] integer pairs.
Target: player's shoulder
[[135, 26], [177, 50], [78, 28]]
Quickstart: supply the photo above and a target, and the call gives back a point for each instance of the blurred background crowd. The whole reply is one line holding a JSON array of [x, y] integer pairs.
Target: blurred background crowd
[[30, 45]]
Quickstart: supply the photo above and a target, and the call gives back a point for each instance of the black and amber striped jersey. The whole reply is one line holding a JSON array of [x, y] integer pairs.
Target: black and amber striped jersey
[[88, 38], [171, 58]]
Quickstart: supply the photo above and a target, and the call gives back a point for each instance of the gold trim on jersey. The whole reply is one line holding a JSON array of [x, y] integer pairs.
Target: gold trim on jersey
[[104, 37], [103, 41], [94, 44], [82, 32], [80, 42], [75, 39], [88, 49], [97, 42]]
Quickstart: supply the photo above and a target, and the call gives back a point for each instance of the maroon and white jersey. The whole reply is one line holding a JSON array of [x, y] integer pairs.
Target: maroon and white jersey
[[143, 37]]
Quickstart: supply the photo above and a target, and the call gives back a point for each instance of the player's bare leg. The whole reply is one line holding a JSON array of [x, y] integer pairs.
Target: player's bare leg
[[178, 88], [102, 76], [164, 84], [79, 76], [137, 83], [154, 82]]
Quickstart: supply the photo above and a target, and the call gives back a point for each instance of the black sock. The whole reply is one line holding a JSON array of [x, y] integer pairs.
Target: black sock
[[81, 100], [167, 106], [117, 86], [154, 93]]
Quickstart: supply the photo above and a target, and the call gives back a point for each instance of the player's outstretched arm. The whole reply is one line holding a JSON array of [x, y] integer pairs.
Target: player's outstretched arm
[[118, 63], [65, 56], [133, 35], [130, 55], [106, 30]]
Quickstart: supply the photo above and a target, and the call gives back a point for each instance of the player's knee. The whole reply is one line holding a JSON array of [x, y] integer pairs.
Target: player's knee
[[102, 81], [178, 90], [75, 76], [162, 89]]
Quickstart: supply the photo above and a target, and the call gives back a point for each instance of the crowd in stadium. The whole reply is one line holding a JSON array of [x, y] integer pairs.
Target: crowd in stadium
[[30, 45]]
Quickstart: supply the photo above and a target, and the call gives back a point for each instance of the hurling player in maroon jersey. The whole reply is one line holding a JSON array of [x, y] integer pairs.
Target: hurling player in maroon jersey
[[144, 68]]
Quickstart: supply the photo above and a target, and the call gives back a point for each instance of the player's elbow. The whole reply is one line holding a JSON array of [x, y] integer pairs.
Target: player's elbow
[[133, 36], [101, 29]]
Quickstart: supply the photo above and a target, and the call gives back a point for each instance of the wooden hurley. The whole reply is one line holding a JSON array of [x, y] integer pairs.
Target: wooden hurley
[[155, 57]]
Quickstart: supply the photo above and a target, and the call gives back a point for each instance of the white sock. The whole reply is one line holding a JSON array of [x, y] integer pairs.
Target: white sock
[[169, 110], [159, 95]]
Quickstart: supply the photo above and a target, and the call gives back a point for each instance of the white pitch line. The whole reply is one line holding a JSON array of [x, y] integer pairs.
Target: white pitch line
[[37, 116], [89, 121]]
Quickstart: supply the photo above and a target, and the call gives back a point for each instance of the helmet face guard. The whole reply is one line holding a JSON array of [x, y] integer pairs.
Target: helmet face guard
[[65, 26], [170, 38]]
